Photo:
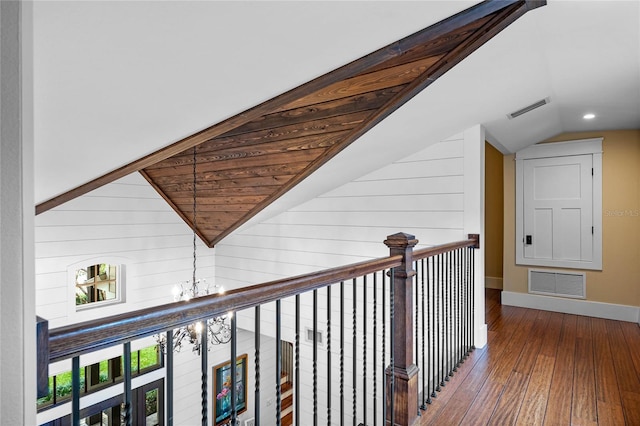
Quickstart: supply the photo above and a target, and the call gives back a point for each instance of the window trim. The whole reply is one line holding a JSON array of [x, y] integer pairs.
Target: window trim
[[591, 147], [120, 265]]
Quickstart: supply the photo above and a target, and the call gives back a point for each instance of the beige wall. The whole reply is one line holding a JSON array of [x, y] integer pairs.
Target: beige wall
[[619, 280], [493, 217]]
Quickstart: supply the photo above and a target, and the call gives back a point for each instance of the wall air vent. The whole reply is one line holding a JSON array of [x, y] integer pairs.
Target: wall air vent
[[557, 283], [528, 108]]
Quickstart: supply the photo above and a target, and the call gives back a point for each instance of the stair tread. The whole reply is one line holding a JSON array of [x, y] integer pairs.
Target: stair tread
[[284, 378], [286, 403], [287, 420]]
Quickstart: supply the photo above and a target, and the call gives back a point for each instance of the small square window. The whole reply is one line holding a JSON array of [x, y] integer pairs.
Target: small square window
[[97, 284]]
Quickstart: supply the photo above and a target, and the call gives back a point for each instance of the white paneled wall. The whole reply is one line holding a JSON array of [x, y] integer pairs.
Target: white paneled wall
[[125, 222]]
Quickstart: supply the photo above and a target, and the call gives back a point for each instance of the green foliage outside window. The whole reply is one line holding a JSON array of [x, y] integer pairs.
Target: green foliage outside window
[[146, 358]]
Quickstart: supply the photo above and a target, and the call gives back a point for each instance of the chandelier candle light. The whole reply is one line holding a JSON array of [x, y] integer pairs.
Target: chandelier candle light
[[217, 329]]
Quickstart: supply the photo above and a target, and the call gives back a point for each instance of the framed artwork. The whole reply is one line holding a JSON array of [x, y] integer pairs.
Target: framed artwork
[[222, 389]]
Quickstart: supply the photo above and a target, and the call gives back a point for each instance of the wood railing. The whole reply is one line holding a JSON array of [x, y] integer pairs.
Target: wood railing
[[401, 289]]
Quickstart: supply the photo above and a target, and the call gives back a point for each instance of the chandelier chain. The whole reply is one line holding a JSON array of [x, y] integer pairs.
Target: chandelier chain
[[216, 329], [194, 214]]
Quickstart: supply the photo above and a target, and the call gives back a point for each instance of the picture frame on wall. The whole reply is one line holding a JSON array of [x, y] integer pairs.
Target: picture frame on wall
[[222, 389]]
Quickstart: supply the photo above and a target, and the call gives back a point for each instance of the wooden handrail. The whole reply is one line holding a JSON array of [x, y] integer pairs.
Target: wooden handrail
[[89, 336], [472, 241], [76, 339]]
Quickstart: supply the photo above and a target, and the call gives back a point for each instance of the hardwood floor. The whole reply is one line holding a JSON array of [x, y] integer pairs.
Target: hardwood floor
[[546, 368]]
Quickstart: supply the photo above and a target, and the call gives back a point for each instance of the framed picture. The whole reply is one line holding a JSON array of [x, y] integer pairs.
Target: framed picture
[[222, 389]]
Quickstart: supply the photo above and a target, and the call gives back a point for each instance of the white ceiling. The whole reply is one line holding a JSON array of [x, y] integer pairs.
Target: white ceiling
[[114, 81]]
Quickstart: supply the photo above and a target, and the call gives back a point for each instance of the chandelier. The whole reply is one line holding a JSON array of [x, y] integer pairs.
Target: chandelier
[[217, 329]]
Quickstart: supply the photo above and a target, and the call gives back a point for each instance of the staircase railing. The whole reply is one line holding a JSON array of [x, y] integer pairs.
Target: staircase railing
[[395, 329]]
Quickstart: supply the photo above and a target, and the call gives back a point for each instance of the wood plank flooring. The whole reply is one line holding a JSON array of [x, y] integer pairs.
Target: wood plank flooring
[[545, 368]]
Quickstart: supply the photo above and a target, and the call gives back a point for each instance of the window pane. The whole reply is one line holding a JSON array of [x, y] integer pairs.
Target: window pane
[[149, 357], [104, 371], [134, 362], [96, 283], [151, 407]]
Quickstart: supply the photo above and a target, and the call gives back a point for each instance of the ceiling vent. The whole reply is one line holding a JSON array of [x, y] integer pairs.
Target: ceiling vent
[[528, 108]]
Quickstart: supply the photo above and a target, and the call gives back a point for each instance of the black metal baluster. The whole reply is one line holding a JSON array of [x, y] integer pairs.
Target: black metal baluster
[[234, 355], [384, 348], [434, 329], [392, 344], [467, 305], [204, 375], [460, 305], [297, 364], [278, 360], [169, 375], [425, 331], [126, 359], [473, 298], [315, 357], [364, 350], [430, 358], [456, 304], [448, 315], [75, 391], [454, 301], [466, 301], [256, 344], [416, 326], [328, 355], [445, 318], [375, 349], [440, 325], [342, 352], [354, 340], [451, 314]]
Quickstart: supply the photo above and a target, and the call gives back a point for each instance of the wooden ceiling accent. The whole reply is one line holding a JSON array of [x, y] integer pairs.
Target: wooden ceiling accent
[[246, 162]]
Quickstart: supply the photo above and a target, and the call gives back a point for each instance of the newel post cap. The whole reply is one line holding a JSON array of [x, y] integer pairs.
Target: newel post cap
[[400, 240]]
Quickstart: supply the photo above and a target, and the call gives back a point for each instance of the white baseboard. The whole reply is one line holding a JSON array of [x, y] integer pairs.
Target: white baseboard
[[493, 282], [572, 306]]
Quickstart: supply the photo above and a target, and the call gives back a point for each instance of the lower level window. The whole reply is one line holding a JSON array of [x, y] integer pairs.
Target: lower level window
[[100, 375]]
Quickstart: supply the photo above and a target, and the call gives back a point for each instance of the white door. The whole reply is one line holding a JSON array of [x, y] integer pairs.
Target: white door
[[558, 204]]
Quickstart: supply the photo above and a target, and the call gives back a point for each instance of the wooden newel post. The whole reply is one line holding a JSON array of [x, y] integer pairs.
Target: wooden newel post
[[404, 371]]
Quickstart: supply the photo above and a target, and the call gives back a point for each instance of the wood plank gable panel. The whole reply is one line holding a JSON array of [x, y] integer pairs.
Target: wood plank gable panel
[[247, 161]]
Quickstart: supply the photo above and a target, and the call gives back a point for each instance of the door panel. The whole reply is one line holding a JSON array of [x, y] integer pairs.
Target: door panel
[[558, 208]]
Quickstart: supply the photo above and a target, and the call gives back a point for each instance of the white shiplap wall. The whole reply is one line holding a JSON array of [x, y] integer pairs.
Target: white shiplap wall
[[125, 222]]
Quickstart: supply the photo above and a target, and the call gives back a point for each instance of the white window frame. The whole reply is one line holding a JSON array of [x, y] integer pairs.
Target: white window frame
[[120, 265], [591, 147]]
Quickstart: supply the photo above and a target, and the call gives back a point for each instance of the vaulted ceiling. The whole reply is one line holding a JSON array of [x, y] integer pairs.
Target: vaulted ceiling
[[241, 165], [112, 96]]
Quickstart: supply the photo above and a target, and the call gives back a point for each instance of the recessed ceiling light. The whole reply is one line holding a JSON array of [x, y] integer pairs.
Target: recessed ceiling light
[[589, 116]]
